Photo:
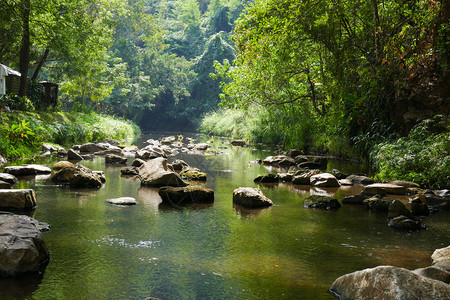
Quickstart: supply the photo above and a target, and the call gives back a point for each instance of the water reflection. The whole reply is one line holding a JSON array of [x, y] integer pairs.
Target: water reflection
[[220, 251]]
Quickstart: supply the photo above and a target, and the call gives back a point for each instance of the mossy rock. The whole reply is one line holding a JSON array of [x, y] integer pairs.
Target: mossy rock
[[193, 175]]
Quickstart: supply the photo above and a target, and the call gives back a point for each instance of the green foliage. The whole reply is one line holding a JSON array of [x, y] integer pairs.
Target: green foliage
[[17, 138], [15, 102], [422, 157]]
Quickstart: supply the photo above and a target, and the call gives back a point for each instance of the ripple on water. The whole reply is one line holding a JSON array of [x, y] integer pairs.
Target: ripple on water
[[114, 242]]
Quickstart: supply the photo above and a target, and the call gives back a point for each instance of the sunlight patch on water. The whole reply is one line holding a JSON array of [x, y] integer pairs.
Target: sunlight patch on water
[[114, 242]]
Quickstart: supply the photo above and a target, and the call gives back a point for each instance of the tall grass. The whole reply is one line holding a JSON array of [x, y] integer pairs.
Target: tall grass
[[65, 129], [288, 126]]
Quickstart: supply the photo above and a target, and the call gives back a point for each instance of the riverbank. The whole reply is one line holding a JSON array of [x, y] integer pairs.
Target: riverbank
[[421, 157], [22, 133]]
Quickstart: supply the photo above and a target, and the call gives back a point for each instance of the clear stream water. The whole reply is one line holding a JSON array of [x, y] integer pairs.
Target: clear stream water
[[101, 251]]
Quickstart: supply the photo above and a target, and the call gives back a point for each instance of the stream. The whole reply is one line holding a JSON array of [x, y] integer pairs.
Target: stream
[[218, 251]]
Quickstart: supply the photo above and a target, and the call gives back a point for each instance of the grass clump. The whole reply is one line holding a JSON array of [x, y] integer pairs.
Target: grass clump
[[421, 157]]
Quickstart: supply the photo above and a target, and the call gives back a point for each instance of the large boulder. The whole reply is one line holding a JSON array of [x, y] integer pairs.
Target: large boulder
[[434, 273], [77, 177], [17, 199], [4, 185], [354, 199], [406, 223], [383, 189], [304, 178], [360, 179], [279, 160], [378, 203], [115, 159], [418, 209], [321, 202], [94, 147], [73, 156], [186, 195], [250, 198], [441, 258], [434, 201], [22, 246], [388, 282], [62, 164], [27, 170], [11, 179], [156, 173], [114, 150], [406, 184], [324, 180], [397, 208], [268, 178]]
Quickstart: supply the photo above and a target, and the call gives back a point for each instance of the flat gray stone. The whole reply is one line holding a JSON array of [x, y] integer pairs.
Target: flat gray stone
[[125, 201]]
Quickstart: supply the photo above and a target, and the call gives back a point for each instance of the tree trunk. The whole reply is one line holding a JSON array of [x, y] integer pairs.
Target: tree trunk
[[376, 20], [41, 63], [24, 48]]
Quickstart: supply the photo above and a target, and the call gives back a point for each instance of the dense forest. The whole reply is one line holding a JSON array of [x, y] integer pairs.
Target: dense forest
[[361, 79]]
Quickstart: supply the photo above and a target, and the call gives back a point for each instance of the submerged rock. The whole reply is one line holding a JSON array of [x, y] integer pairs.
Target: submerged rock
[[388, 282], [250, 198], [186, 195], [27, 170], [22, 246], [156, 173], [321, 202]]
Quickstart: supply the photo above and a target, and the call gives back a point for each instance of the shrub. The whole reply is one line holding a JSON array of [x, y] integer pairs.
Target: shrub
[[421, 157]]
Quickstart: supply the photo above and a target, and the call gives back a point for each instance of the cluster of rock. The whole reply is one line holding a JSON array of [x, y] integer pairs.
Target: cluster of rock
[[389, 282], [22, 246]]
